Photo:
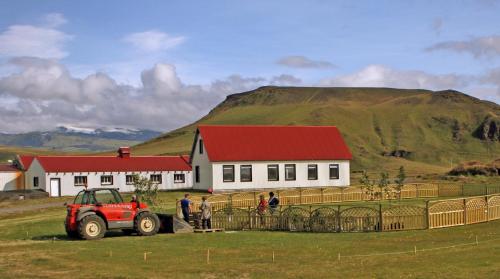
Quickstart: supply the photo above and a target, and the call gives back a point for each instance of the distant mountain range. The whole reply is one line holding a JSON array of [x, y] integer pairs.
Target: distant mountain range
[[67, 138]]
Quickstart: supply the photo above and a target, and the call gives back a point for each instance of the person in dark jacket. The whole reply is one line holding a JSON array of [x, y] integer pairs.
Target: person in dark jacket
[[186, 207], [273, 202]]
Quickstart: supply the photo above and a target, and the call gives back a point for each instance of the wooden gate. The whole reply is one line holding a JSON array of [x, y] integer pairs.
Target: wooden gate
[[476, 210], [446, 214], [404, 218]]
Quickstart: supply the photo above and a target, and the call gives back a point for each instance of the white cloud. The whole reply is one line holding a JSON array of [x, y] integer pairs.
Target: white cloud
[[298, 61], [153, 40], [43, 94], [38, 41], [487, 46], [383, 76], [54, 20]]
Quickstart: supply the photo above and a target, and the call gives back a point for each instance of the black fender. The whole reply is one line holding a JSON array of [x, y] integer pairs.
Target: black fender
[[84, 213]]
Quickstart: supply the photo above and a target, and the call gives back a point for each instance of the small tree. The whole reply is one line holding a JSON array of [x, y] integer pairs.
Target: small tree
[[145, 189], [383, 184], [367, 185], [400, 181]]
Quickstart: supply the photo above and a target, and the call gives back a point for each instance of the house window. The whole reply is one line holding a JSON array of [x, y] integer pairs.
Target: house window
[[201, 146], [273, 173], [246, 173], [155, 178], [179, 178], [197, 174], [290, 172], [106, 180], [334, 171], [35, 181], [312, 172], [80, 181], [129, 179], [228, 173]]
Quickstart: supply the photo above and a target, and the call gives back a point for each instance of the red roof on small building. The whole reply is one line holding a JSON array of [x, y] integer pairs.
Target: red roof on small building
[[113, 164], [26, 161], [273, 143], [8, 168]]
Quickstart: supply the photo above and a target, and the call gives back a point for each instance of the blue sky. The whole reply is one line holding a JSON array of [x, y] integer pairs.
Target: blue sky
[[61, 60]]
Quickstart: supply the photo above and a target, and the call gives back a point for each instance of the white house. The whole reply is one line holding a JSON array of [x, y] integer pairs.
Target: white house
[[11, 178], [67, 175], [266, 157]]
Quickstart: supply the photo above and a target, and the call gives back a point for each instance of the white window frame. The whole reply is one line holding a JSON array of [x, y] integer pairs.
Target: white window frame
[[105, 178], [156, 181], [83, 181], [290, 166], [183, 180], [334, 166], [127, 182]]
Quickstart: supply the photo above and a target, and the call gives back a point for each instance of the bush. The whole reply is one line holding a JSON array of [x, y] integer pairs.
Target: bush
[[145, 189]]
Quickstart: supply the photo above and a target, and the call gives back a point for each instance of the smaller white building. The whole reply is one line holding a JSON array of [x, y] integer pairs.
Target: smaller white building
[[266, 157], [67, 175], [11, 178]]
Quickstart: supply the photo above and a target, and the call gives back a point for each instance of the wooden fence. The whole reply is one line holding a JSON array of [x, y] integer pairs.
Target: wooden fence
[[324, 219], [463, 211], [301, 196], [337, 218]]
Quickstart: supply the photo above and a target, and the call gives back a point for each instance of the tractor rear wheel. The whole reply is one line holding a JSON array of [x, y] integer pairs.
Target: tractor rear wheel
[[147, 223], [91, 227]]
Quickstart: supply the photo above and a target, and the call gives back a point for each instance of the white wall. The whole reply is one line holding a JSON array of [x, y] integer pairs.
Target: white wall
[[202, 161], [259, 175], [35, 170], [68, 187], [9, 180]]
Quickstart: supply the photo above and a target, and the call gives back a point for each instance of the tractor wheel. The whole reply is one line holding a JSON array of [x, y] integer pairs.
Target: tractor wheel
[[92, 227], [147, 223]]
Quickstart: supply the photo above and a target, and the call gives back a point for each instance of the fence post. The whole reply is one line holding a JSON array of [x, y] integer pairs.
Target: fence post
[[380, 217], [230, 200], [416, 190], [322, 197], [465, 211], [487, 192], [463, 190], [487, 208], [250, 221], [338, 219], [427, 217], [341, 194], [300, 195]]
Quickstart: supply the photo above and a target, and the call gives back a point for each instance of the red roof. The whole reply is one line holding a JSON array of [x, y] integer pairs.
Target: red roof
[[8, 168], [273, 143], [26, 161], [113, 164]]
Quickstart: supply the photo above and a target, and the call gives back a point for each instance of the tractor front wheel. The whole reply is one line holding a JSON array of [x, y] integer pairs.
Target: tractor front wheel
[[147, 224], [91, 227]]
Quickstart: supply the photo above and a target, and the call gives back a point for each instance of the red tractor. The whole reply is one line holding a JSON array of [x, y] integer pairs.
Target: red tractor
[[95, 211]]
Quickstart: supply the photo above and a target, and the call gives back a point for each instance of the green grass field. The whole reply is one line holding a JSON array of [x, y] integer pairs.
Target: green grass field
[[34, 245]]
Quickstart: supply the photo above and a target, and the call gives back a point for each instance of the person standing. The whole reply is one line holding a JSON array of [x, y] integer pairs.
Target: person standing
[[186, 207], [273, 202], [206, 214], [261, 209]]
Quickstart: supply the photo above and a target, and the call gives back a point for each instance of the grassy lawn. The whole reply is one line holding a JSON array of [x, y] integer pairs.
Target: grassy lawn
[[34, 245]]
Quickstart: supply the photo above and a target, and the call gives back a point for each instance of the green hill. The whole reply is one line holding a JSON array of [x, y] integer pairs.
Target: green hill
[[424, 130]]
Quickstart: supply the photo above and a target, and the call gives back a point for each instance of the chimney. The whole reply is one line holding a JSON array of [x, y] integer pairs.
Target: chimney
[[124, 152]]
